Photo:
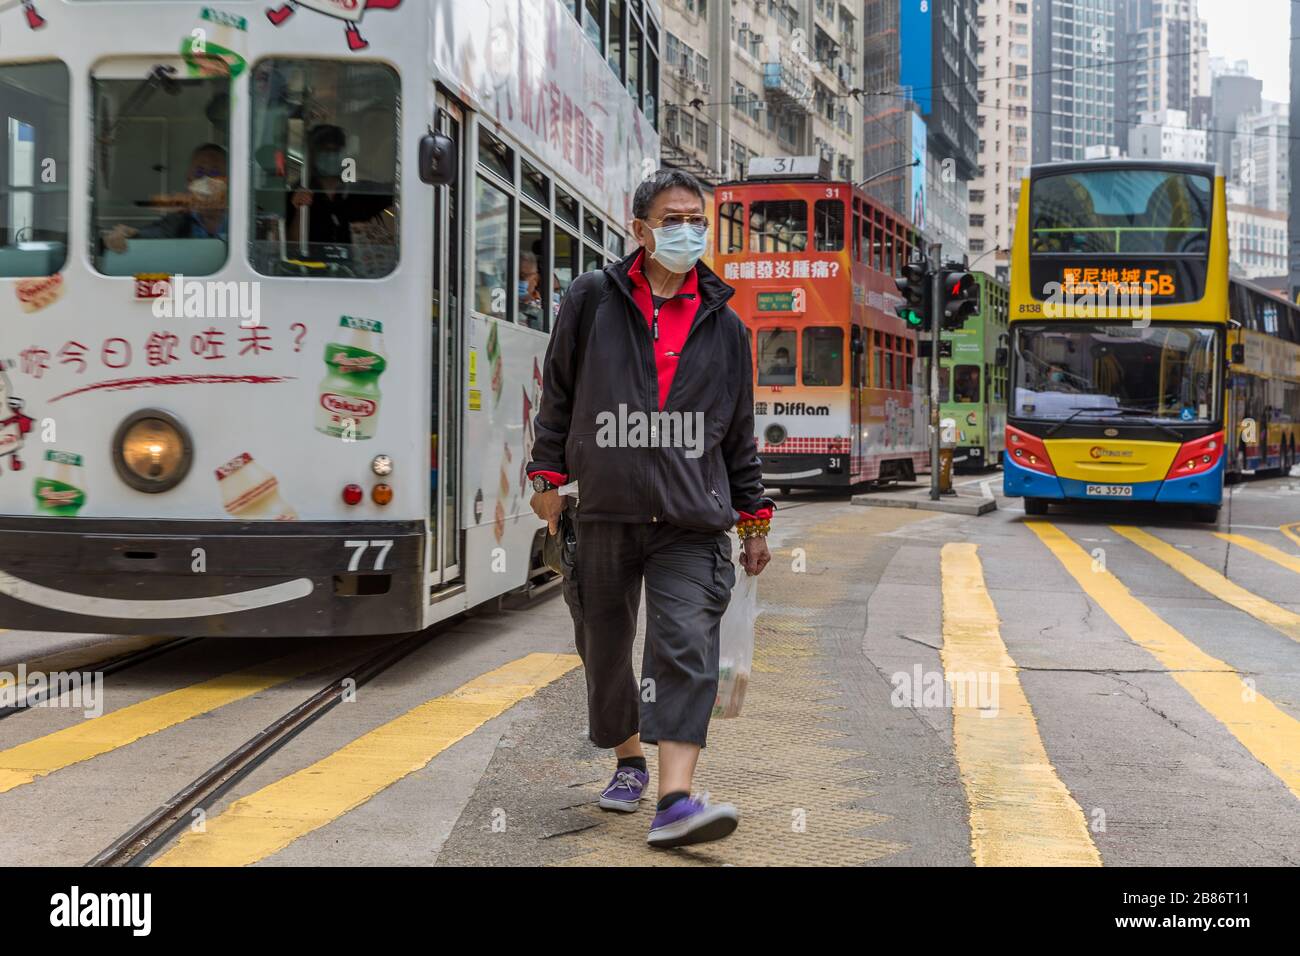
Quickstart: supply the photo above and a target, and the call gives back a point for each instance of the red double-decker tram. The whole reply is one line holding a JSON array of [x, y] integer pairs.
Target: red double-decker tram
[[839, 397]]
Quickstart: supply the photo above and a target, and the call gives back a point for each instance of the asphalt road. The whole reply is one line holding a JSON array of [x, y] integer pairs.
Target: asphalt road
[[1095, 687]]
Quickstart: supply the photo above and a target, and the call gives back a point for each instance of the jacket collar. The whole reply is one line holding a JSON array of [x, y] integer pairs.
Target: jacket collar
[[712, 291]]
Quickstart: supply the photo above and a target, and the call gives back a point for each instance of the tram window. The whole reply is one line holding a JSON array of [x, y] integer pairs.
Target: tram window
[[492, 230], [944, 374], [778, 225], [536, 186], [532, 288], [593, 22], [909, 363], [33, 210], [823, 356], [495, 155], [857, 228], [615, 53], [323, 168], [160, 169], [828, 225], [566, 207], [592, 227], [731, 228], [776, 350], [878, 243], [567, 264], [865, 251], [592, 259], [634, 47], [651, 107], [614, 243], [966, 384]]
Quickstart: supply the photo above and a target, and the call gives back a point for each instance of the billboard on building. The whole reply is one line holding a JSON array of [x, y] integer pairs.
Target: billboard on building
[[915, 50], [917, 195]]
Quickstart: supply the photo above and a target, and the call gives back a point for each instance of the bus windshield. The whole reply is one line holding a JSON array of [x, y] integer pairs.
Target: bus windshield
[[1074, 370], [1117, 211]]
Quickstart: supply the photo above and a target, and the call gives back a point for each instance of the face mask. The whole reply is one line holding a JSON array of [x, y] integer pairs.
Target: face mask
[[328, 164], [1058, 376], [208, 190], [678, 248], [523, 288]]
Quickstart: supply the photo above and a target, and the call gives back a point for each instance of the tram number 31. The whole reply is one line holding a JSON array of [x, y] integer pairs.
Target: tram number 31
[[359, 548]]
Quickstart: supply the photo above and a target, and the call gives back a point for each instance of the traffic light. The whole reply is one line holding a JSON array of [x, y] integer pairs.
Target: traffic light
[[961, 298], [914, 284]]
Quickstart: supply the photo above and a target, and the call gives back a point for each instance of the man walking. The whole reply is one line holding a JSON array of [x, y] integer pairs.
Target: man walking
[[650, 345]]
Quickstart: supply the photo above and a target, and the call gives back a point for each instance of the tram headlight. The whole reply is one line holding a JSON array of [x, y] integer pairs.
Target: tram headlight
[[774, 434], [152, 451]]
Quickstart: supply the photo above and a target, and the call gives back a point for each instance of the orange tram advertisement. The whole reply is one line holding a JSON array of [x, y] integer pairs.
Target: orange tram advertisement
[[838, 398]]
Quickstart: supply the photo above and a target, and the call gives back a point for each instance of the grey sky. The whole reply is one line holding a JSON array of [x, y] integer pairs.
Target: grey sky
[[1254, 30]]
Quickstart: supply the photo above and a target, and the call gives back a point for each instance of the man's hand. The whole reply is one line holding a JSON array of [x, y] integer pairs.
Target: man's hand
[[754, 555], [302, 197], [547, 505], [115, 238]]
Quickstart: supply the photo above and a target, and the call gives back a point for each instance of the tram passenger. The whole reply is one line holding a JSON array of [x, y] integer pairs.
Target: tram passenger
[[335, 205], [664, 520], [780, 367], [530, 290], [207, 216]]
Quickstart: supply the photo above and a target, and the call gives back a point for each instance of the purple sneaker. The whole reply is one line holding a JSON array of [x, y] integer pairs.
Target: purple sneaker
[[692, 820], [625, 790]]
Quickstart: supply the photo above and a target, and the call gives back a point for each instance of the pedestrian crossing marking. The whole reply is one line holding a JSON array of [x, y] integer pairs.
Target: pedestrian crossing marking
[[29, 761], [1208, 579], [262, 823], [1021, 814], [1288, 561], [1271, 735]]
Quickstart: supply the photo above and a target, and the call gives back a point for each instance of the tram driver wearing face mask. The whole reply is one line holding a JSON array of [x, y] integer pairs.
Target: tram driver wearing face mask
[[206, 216], [331, 202]]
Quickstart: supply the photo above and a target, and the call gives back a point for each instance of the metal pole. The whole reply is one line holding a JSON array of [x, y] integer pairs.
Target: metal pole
[[936, 299]]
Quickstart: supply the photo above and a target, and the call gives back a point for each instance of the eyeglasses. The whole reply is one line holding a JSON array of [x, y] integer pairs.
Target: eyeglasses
[[695, 221]]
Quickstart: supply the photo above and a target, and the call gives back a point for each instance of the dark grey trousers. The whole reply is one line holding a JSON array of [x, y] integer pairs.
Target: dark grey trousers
[[688, 579]]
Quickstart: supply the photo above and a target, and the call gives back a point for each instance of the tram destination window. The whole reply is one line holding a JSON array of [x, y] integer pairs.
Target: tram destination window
[[778, 225], [776, 354], [160, 168], [323, 169], [823, 356], [33, 169]]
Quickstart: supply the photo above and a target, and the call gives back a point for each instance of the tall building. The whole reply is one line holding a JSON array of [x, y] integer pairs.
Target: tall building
[[1293, 203], [1233, 93], [1073, 77], [1005, 49], [920, 73], [1261, 156], [1164, 134], [1162, 59], [1257, 240], [759, 78]]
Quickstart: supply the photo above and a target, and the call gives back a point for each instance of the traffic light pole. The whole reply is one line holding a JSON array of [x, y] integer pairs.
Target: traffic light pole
[[935, 320]]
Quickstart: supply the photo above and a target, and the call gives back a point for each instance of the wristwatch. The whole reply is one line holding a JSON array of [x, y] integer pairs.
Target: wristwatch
[[541, 484]]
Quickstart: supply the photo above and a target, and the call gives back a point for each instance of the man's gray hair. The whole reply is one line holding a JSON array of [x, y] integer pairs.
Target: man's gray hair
[[663, 179]]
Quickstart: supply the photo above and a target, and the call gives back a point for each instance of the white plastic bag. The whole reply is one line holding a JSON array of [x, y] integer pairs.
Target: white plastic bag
[[736, 645]]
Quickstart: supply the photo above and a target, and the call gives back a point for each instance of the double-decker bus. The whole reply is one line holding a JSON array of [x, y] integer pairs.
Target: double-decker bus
[[837, 397], [1263, 403], [973, 379], [277, 283], [1119, 321]]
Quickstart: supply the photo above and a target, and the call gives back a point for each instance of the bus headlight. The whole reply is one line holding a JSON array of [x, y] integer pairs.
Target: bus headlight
[[152, 451]]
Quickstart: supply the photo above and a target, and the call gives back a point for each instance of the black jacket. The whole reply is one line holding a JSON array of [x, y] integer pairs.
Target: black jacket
[[601, 357]]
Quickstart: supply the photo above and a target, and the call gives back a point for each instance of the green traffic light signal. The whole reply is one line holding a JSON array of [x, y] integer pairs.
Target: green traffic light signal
[[911, 316]]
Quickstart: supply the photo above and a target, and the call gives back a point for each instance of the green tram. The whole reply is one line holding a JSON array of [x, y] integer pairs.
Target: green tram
[[973, 379]]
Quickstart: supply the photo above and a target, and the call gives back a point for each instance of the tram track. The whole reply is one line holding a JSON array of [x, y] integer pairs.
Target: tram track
[[166, 822], [112, 664]]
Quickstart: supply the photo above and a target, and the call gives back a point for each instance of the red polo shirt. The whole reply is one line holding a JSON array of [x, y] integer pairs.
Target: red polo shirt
[[675, 318]]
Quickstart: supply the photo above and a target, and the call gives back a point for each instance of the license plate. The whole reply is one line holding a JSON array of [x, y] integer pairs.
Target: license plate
[[1110, 491]]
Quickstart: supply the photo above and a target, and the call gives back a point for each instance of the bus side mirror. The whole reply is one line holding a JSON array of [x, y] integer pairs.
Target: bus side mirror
[[1002, 356], [1238, 354], [437, 159]]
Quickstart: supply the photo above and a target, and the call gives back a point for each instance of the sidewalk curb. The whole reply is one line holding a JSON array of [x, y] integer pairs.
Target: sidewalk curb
[[951, 505]]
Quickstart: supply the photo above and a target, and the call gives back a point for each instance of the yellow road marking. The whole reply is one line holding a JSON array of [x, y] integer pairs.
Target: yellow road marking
[[1208, 579], [1021, 814], [267, 821], [26, 762], [77, 658], [1288, 561], [1271, 736], [1292, 531]]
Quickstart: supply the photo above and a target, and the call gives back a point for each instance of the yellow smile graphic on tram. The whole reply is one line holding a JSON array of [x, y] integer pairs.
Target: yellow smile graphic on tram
[[1111, 461]]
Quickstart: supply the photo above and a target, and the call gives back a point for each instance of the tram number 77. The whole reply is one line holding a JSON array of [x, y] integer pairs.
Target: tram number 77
[[360, 547]]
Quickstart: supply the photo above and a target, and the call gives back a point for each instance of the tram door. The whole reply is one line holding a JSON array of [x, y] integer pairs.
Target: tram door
[[445, 424]]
